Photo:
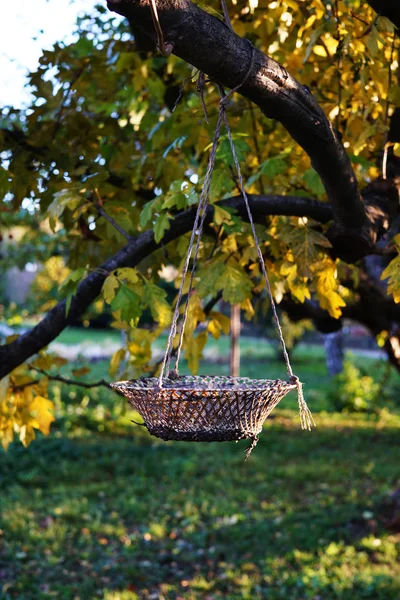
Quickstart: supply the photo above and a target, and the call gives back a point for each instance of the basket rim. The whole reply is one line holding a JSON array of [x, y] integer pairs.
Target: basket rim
[[207, 383]]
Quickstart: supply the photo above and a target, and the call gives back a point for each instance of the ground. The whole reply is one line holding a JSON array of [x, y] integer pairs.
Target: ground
[[102, 510]]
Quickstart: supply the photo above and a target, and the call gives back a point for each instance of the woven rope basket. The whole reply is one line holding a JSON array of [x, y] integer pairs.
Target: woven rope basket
[[204, 409]]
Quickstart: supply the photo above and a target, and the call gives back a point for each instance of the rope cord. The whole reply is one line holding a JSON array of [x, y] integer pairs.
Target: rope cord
[[306, 418], [204, 195], [197, 230]]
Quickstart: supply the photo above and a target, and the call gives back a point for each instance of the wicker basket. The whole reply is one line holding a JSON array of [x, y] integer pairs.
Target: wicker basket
[[204, 409]]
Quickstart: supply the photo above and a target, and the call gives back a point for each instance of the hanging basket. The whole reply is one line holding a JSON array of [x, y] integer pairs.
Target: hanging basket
[[204, 409]]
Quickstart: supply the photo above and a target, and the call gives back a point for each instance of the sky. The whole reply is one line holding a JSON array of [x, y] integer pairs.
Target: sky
[[26, 27]]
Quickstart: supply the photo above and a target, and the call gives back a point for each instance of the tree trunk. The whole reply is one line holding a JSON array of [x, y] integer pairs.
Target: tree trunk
[[333, 343], [235, 337]]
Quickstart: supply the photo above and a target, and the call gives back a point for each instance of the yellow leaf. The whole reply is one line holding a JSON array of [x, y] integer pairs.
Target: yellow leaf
[[221, 215], [320, 51], [195, 314], [128, 274], [392, 273], [81, 372], [119, 323], [115, 362], [6, 435], [42, 411], [229, 245], [297, 285], [327, 285], [248, 308], [110, 286], [44, 361], [215, 329], [139, 347], [194, 349], [4, 384], [224, 321], [26, 434], [332, 302], [218, 323]]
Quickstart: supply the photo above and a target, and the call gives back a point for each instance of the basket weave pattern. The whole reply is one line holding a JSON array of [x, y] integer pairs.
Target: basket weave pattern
[[204, 409]]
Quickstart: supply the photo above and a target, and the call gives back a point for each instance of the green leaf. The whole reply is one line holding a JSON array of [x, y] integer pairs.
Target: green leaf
[[306, 244], [73, 278], [68, 301], [208, 277], [235, 284], [221, 184], [372, 41], [270, 168], [274, 166], [224, 151], [160, 226], [394, 95], [67, 198], [360, 160], [384, 25], [313, 182], [147, 212], [155, 298], [129, 303], [69, 286]]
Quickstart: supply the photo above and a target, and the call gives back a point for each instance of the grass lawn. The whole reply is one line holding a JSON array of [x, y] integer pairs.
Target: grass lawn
[[102, 510], [81, 335]]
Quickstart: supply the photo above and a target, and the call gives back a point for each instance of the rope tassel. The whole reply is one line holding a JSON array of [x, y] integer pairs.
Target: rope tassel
[[306, 418]]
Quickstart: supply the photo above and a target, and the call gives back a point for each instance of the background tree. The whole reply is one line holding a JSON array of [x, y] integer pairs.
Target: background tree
[[103, 169]]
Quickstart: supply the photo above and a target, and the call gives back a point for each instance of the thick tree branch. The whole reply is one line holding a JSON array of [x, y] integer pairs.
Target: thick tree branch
[[131, 255], [208, 44]]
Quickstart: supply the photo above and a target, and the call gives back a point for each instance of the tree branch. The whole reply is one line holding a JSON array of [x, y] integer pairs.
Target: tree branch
[[100, 210], [100, 383], [208, 44], [28, 344]]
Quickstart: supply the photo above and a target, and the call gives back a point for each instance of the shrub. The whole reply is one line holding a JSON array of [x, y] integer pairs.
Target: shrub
[[354, 391]]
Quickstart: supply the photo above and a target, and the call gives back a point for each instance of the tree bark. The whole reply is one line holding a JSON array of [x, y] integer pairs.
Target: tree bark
[[333, 343]]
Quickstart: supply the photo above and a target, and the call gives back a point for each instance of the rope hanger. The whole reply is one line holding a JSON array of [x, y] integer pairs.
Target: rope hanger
[[306, 418]]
